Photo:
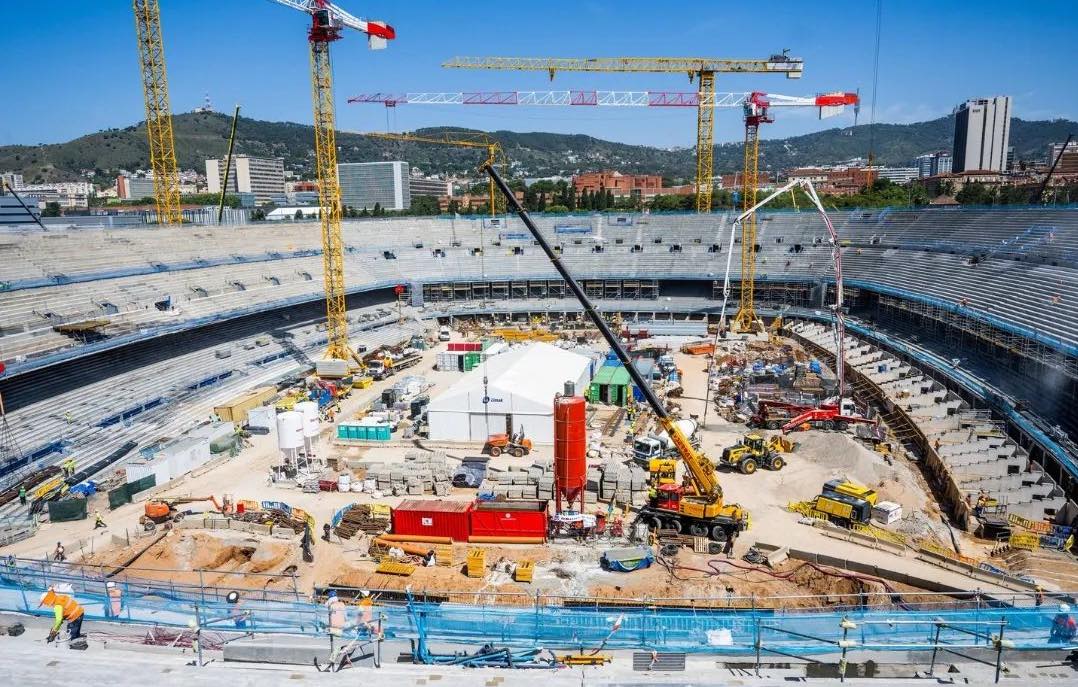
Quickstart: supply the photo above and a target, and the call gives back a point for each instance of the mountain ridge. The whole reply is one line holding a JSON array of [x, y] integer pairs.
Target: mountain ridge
[[533, 154]]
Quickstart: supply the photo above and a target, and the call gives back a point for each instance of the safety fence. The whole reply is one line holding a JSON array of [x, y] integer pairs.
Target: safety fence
[[559, 622]]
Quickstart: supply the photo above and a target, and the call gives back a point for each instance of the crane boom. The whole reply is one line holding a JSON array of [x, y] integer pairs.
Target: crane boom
[[702, 69], [701, 469]]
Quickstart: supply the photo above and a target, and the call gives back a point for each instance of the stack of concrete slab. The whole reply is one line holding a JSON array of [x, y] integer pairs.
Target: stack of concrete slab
[[623, 484], [422, 472]]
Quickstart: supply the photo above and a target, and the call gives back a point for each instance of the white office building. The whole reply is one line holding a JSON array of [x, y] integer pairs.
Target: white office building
[[897, 175], [365, 183], [10, 179], [262, 176], [931, 164], [982, 134]]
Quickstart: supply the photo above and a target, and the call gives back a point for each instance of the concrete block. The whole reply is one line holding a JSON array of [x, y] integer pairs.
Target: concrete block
[[278, 649], [283, 533], [240, 526], [415, 489], [255, 528]]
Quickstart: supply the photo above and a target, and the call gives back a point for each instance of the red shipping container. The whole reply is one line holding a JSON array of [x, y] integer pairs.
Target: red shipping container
[[509, 519], [432, 519], [455, 346]]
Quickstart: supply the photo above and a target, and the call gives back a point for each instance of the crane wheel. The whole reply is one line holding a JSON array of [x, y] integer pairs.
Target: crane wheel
[[495, 451], [828, 425], [748, 466], [777, 463], [698, 530], [773, 424], [718, 534], [655, 523], [676, 526]]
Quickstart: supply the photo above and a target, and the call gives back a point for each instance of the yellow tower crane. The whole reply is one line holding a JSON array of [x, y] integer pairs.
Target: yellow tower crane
[[151, 49], [701, 69], [327, 22], [462, 139]]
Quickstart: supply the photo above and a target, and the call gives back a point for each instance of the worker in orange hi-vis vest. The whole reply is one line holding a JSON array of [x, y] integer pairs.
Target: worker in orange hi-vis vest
[[366, 611], [64, 608]]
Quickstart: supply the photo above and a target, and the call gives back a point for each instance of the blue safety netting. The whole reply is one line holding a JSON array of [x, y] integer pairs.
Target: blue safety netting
[[728, 631]]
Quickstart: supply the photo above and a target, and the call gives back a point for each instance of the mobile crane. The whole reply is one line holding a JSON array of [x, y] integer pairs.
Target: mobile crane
[[696, 507]]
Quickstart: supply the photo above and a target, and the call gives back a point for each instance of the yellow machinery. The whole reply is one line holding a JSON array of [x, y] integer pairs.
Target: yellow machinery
[[839, 486], [753, 452], [662, 471], [327, 22], [462, 139], [696, 508], [151, 49], [702, 69], [512, 334]]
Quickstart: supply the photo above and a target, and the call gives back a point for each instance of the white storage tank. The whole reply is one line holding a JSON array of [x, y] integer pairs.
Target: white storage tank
[[289, 430], [309, 411]]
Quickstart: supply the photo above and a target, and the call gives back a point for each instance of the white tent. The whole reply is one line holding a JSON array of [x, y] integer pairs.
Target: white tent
[[520, 390]]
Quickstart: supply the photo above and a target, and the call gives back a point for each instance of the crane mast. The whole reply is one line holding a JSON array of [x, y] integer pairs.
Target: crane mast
[[327, 22], [700, 69], [151, 48]]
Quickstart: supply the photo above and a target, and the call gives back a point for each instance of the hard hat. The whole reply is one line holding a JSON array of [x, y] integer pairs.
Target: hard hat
[[1064, 608], [332, 594], [232, 597], [364, 592], [110, 585]]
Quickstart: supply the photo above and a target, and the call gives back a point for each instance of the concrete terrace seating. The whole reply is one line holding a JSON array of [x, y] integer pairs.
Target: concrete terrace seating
[[978, 455], [920, 253]]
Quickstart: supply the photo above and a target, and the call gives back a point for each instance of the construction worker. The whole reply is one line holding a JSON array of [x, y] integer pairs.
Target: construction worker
[[99, 522], [22, 494], [366, 610], [64, 608], [337, 614], [1063, 626], [239, 616], [115, 604], [58, 554], [1038, 596]]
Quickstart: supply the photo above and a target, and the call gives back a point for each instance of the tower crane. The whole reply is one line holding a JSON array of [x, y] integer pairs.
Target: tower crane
[[460, 139], [702, 70], [151, 50], [758, 111], [327, 22]]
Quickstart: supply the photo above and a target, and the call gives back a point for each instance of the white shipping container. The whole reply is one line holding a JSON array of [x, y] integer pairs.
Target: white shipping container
[[886, 512], [263, 417]]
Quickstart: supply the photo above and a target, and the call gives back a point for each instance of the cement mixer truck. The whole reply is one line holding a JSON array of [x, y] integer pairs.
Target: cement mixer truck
[[660, 445]]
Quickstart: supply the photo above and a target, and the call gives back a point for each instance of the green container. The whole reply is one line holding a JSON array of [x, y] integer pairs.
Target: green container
[[381, 432], [344, 431], [67, 510]]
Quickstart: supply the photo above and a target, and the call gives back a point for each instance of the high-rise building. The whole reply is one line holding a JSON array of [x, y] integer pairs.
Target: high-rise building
[[931, 164], [365, 183], [982, 134], [262, 176]]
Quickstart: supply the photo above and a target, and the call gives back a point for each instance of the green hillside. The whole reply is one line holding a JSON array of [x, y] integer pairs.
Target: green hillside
[[200, 136]]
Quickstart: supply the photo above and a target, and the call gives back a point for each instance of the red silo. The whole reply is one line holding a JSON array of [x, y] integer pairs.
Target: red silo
[[570, 451]]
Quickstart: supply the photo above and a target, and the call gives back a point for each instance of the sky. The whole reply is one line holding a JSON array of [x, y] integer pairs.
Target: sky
[[73, 62]]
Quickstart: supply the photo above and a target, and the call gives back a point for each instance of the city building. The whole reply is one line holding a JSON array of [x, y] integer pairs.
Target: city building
[[1068, 164], [480, 200], [68, 194], [931, 164], [262, 176], [134, 187], [11, 179], [645, 186], [294, 214], [956, 181], [423, 186], [835, 181], [365, 183], [982, 134], [898, 175]]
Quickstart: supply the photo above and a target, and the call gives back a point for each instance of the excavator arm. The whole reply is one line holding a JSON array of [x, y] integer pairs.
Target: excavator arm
[[701, 470]]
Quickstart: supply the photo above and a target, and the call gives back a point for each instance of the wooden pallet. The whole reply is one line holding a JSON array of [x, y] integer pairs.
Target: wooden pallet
[[443, 554]]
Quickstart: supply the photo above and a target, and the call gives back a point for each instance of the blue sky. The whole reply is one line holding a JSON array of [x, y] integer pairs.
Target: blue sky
[[74, 61]]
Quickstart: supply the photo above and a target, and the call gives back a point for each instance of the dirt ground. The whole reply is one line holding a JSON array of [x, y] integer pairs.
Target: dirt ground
[[560, 568]]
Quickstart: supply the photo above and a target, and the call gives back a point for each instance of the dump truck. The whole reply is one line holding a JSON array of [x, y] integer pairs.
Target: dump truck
[[696, 507], [660, 445], [516, 445]]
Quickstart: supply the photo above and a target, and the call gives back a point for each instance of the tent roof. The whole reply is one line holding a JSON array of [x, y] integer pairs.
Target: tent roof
[[536, 373], [611, 374]]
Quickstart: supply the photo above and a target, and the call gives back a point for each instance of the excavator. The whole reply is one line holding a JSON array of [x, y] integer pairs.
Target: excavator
[[158, 511], [694, 507]]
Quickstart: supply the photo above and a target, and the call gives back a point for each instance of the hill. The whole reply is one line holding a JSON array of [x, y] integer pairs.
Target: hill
[[205, 135]]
